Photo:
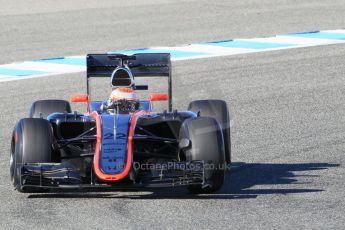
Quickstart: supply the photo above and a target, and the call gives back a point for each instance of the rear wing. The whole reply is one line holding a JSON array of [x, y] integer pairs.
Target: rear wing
[[141, 65], [102, 65]]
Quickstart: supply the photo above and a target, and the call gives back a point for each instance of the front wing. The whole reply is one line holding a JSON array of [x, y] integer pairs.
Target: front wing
[[66, 176]]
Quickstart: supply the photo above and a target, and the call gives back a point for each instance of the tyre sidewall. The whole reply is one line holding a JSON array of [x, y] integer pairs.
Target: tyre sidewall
[[207, 144], [17, 155], [25, 151], [219, 110]]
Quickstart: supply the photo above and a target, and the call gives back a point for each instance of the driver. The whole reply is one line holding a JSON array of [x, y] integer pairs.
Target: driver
[[119, 95], [122, 97]]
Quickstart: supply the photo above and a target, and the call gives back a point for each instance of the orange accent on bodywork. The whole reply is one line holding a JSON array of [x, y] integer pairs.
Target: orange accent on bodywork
[[159, 97], [124, 173], [81, 98]]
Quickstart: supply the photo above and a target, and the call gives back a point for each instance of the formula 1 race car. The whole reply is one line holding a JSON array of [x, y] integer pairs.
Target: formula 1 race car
[[122, 143]]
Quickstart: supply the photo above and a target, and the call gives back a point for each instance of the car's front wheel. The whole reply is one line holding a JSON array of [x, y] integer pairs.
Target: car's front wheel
[[219, 110], [32, 142], [206, 144]]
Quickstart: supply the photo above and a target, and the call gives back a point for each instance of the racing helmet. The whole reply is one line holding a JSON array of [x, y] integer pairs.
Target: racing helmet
[[123, 93]]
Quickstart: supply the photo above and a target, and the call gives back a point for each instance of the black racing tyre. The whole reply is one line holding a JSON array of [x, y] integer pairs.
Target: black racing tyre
[[32, 142], [43, 108], [219, 110], [207, 144]]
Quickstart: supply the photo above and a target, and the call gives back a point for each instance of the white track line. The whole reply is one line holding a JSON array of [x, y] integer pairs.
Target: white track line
[[204, 50]]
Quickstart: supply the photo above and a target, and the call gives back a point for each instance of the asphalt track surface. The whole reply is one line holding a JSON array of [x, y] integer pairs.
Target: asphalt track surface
[[287, 109]]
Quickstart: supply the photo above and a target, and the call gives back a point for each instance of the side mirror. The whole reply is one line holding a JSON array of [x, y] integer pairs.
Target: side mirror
[[159, 97], [80, 98]]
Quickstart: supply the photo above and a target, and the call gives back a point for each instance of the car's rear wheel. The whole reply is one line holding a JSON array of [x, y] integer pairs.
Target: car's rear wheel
[[32, 142], [219, 110], [43, 108], [206, 144]]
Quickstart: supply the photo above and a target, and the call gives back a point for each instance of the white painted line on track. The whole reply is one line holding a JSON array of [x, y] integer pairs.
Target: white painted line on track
[[75, 64]]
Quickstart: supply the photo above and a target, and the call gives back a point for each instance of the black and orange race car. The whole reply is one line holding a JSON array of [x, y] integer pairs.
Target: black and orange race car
[[122, 143]]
